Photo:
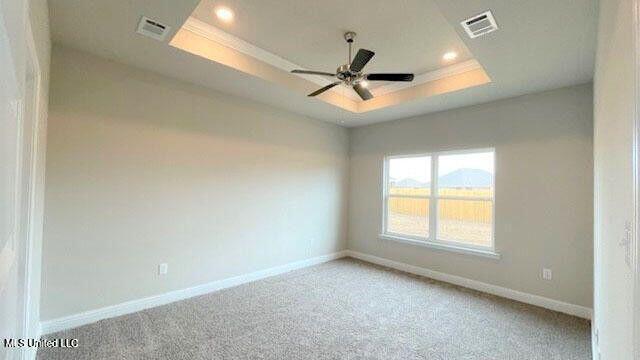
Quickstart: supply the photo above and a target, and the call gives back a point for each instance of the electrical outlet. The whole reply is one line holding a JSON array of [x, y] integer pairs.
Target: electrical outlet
[[163, 269], [547, 274]]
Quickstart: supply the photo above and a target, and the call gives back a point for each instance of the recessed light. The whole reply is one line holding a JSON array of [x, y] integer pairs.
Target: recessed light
[[364, 83], [451, 55], [224, 14]]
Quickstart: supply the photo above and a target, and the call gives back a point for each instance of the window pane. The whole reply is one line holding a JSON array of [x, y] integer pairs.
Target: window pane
[[408, 216], [410, 176], [465, 221], [466, 174]]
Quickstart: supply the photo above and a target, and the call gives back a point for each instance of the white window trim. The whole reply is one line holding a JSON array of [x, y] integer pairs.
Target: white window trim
[[432, 240], [439, 246]]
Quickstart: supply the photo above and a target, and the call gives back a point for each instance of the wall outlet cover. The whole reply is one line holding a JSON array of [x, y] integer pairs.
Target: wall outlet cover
[[163, 269]]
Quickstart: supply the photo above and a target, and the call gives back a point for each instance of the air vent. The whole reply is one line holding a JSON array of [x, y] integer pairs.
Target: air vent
[[153, 29], [480, 24]]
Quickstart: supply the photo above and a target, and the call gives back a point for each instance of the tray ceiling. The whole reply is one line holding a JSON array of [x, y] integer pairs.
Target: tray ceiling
[[541, 45], [407, 35], [290, 34]]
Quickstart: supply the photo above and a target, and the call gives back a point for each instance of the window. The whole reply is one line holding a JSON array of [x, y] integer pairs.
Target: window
[[444, 198], [408, 202]]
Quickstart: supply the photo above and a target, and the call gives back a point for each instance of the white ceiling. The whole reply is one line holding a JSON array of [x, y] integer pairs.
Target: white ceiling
[[541, 44], [311, 33]]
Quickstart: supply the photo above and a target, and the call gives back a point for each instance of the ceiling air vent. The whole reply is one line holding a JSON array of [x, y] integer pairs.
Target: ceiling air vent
[[153, 29], [480, 24]]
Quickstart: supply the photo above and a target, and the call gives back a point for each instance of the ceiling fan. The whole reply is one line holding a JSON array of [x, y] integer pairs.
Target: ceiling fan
[[351, 74]]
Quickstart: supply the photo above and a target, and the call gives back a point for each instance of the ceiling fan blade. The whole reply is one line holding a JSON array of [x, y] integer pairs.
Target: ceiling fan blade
[[362, 58], [321, 90], [363, 92], [311, 72], [390, 77]]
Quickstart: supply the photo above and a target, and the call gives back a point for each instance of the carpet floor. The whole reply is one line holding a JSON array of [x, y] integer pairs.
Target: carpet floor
[[344, 309]]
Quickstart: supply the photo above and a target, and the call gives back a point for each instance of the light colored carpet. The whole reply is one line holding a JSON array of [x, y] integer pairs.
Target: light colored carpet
[[344, 309]]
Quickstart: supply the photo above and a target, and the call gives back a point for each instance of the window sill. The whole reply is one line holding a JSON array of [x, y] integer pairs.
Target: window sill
[[445, 247]]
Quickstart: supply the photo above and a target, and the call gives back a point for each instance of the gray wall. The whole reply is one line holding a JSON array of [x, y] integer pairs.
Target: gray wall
[[614, 112], [544, 188], [142, 169]]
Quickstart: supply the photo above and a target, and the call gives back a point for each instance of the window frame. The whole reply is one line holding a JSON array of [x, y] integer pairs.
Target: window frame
[[385, 196], [433, 239]]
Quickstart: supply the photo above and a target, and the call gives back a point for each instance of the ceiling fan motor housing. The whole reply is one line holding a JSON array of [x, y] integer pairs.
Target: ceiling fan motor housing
[[345, 74], [342, 72]]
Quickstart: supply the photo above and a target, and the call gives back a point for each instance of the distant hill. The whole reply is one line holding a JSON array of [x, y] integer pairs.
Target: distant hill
[[471, 178], [410, 183]]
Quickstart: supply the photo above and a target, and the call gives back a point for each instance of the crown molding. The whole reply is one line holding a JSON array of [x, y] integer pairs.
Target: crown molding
[[213, 33], [222, 37]]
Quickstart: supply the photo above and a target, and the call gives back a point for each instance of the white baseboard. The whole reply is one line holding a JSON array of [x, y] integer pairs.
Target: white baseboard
[[563, 307], [87, 317]]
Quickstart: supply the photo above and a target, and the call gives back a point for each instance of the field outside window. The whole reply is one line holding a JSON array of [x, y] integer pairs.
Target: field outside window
[[441, 197]]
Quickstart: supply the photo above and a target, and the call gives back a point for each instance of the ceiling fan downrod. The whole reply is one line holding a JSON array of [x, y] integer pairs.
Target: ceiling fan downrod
[[349, 36]]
